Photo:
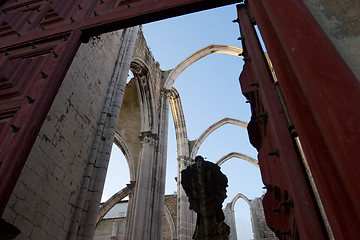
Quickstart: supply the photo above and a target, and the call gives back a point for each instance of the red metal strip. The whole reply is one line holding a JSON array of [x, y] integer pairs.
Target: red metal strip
[[304, 207]]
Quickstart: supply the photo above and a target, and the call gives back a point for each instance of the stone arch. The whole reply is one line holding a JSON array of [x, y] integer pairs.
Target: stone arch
[[183, 145], [170, 222], [214, 48], [179, 123], [240, 156], [146, 93], [237, 196], [211, 129], [117, 197], [109, 204], [119, 141], [229, 212]]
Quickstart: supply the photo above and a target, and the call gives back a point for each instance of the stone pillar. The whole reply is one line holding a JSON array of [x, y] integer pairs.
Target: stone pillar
[[186, 218], [160, 170], [85, 215], [143, 201], [230, 220]]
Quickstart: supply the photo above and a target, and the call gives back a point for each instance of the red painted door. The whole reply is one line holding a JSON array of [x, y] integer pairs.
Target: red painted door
[[320, 93], [280, 164]]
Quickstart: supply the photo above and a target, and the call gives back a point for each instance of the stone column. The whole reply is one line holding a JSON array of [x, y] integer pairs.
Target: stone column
[[160, 170], [186, 218], [143, 204]]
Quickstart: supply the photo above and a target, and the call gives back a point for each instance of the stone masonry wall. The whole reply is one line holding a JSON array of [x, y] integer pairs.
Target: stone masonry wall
[[104, 229], [43, 200], [260, 228], [142, 51], [341, 22]]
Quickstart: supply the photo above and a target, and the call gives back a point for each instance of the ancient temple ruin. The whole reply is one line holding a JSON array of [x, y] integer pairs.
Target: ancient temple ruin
[[63, 104]]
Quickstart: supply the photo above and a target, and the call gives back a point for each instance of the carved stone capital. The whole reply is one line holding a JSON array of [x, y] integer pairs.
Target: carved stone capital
[[148, 137], [165, 93], [186, 160], [131, 187], [138, 70]]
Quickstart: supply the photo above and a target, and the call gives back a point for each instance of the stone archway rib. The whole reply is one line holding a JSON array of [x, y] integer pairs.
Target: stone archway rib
[[170, 221], [237, 155], [109, 204], [214, 48], [239, 195], [146, 94], [119, 141], [179, 123], [211, 129]]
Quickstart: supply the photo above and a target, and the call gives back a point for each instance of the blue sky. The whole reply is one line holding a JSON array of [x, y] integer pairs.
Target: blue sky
[[209, 91]]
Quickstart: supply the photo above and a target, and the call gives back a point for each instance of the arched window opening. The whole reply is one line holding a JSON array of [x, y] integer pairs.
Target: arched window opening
[[130, 76], [117, 175], [245, 178], [171, 164], [244, 229]]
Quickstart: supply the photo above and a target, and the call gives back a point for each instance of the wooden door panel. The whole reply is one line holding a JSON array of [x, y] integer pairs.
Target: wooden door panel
[[277, 154], [31, 78]]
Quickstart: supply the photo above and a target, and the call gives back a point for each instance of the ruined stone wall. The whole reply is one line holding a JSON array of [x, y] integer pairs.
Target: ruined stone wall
[[260, 228], [341, 22], [129, 123], [44, 198], [171, 204], [143, 52], [141, 119]]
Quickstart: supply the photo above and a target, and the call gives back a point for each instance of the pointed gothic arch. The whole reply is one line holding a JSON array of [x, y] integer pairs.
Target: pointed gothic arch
[[182, 141], [238, 155], [237, 196], [119, 141], [170, 222], [111, 202], [146, 93], [214, 48], [211, 129]]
